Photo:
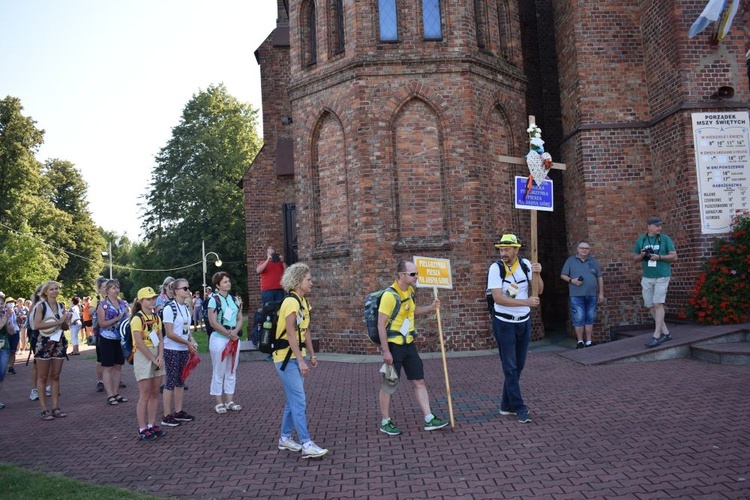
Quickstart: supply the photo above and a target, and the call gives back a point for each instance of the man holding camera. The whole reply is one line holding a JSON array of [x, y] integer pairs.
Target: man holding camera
[[270, 271], [585, 289], [656, 253]]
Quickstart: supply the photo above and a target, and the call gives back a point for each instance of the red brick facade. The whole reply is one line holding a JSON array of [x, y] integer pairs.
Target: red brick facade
[[395, 148]]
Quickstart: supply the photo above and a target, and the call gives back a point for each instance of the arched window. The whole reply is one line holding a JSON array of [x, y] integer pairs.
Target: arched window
[[336, 22], [480, 22], [388, 16], [432, 20], [503, 18], [309, 33]]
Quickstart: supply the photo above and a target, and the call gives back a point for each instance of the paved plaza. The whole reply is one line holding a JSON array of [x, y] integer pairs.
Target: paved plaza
[[674, 428]]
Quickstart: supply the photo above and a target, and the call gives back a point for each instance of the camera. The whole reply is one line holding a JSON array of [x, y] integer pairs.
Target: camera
[[275, 257], [647, 253], [580, 278]]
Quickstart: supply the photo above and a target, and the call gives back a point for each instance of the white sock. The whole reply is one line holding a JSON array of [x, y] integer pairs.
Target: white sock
[[588, 342], [429, 418], [385, 421]]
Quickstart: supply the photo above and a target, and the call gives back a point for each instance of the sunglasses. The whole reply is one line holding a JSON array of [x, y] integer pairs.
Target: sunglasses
[[411, 274], [185, 288]]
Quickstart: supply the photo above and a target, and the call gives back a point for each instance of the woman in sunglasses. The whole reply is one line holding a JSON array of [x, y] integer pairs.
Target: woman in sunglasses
[[178, 346], [111, 311]]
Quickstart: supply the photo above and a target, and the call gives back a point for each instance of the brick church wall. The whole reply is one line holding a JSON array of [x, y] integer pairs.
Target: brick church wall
[[396, 146]]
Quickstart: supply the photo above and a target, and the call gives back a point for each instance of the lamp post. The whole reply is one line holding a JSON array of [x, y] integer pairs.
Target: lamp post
[[109, 254], [204, 254]]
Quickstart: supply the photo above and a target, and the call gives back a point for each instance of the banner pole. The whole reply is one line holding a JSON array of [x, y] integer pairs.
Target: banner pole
[[445, 362]]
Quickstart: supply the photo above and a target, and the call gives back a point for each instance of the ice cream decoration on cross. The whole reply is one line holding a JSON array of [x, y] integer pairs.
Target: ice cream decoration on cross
[[537, 160]]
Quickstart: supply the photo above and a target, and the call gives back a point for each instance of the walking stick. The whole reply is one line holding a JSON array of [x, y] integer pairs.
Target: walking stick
[[445, 362]]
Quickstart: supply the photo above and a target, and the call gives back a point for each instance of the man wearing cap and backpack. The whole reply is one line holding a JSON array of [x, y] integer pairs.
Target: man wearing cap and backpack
[[509, 282], [656, 252]]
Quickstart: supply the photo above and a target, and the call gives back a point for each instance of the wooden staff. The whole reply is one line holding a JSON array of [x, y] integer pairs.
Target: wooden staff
[[445, 361]]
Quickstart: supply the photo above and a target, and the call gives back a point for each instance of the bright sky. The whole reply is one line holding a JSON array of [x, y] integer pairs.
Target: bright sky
[[107, 80]]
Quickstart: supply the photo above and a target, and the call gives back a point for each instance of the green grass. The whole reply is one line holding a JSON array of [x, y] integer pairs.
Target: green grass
[[21, 484]]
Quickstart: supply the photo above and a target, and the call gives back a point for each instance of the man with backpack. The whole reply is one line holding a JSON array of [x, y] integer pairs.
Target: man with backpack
[[397, 341], [509, 281]]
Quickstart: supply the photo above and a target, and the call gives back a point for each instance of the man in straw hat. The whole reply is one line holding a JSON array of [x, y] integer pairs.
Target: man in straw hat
[[509, 281]]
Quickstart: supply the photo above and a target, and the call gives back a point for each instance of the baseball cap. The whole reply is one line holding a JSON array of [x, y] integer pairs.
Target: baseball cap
[[146, 293], [508, 240], [388, 378], [656, 221]]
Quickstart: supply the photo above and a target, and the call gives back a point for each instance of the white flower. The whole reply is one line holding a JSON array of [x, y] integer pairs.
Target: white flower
[[537, 141]]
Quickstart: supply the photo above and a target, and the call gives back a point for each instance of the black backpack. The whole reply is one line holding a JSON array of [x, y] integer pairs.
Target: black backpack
[[268, 341], [501, 267], [209, 328]]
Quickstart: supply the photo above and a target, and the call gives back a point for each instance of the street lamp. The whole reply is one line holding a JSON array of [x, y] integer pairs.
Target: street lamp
[[109, 254], [204, 254]]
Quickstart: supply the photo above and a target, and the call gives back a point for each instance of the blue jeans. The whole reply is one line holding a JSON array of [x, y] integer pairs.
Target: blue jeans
[[583, 310], [4, 358], [295, 410], [513, 343], [267, 296]]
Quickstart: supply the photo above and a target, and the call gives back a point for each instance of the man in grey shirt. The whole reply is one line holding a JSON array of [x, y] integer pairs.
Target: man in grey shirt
[[586, 289]]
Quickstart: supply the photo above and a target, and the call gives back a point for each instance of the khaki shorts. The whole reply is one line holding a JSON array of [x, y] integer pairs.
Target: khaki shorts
[[143, 368], [654, 291]]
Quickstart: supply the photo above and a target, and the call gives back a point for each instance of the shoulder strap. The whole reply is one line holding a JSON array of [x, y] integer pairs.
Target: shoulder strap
[[173, 306], [501, 268], [396, 309]]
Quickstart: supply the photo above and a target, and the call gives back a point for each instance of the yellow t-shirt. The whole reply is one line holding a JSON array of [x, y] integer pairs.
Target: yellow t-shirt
[[153, 323], [291, 306], [408, 306]]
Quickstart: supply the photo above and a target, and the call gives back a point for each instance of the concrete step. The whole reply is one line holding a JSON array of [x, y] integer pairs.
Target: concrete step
[[724, 353], [631, 348]]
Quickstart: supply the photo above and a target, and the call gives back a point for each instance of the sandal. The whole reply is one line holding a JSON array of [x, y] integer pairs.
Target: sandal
[[57, 413], [120, 399], [220, 408], [47, 415], [112, 400], [233, 406]]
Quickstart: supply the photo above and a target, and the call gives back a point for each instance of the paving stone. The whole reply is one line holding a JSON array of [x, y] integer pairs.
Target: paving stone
[[598, 431]]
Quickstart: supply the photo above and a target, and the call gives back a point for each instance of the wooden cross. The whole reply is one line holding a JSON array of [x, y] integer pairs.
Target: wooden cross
[[534, 238]]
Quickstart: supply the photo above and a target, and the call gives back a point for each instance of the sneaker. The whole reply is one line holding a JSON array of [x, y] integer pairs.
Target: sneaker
[[507, 412], [100, 386], [146, 435], [169, 421], [653, 342], [48, 391], [524, 417], [312, 450], [287, 443], [12, 370], [182, 416], [665, 337], [579, 345], [434, 424], [390, 428], [156, 430], [34, 396]]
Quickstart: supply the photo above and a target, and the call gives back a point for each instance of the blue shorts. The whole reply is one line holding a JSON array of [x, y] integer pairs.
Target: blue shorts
[[583, 310]]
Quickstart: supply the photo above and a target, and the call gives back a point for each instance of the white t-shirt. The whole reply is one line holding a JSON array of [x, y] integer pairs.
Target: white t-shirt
[[180, 325], [516, 283]]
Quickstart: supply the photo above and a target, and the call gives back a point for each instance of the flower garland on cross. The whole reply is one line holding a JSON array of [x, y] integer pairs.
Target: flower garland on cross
[[537, 160]]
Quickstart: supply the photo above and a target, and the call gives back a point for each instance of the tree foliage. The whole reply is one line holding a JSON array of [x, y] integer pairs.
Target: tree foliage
[[46, 230], [194, 194]]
